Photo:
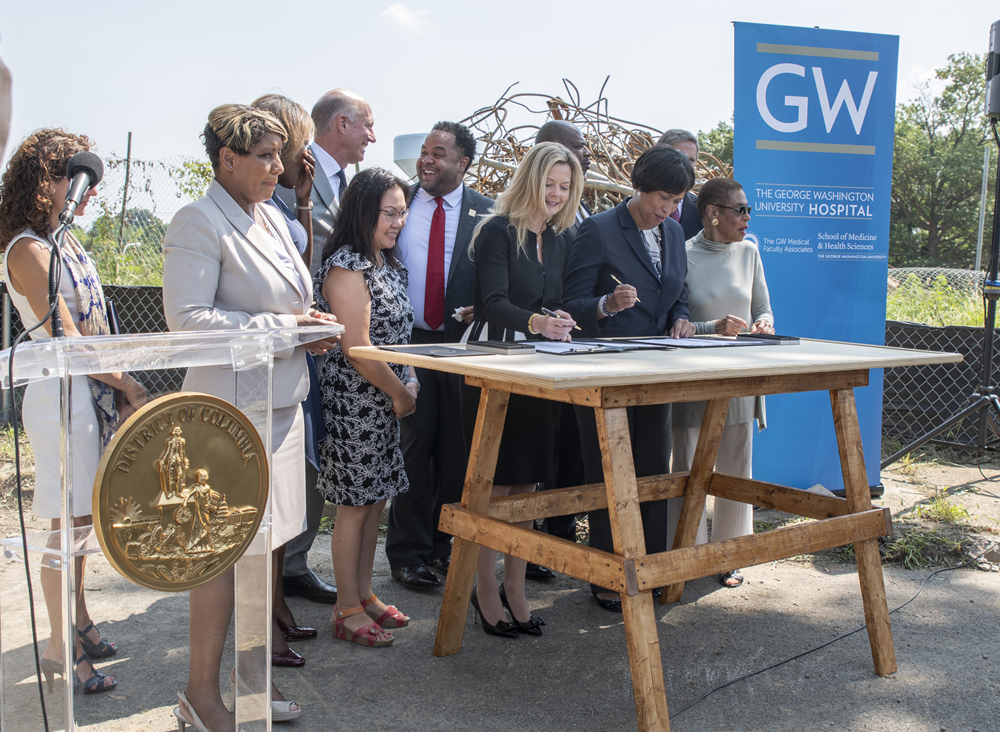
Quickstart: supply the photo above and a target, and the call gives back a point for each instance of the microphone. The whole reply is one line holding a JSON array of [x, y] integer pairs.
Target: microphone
[[84, 171]]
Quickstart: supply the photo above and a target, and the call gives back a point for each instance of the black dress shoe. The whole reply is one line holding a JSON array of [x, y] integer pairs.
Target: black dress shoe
[[538, 573], [310, 587], [416, 577], [441, 565], [287, 659]]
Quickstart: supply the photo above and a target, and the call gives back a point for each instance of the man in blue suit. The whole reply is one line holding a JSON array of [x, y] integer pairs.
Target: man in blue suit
[[625, 277]]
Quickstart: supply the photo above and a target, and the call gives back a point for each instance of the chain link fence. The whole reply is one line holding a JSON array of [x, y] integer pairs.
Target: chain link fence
[[140, 310], [917, 399], [124, 226]]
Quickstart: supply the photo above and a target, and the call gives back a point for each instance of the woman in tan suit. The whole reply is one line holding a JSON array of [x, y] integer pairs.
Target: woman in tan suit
[[229, 263]]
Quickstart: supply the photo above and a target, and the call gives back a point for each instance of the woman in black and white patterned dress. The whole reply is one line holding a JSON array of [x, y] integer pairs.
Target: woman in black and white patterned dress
[[364, 285]]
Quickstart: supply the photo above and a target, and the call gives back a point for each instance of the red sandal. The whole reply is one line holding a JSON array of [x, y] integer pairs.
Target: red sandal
[[371, 636], [391, 618]]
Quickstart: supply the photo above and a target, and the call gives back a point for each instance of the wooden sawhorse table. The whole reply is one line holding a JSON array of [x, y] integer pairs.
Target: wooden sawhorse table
[[609, 384]]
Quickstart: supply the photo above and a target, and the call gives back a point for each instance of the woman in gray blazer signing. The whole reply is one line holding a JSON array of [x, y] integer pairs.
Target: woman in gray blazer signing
[[229, 263]]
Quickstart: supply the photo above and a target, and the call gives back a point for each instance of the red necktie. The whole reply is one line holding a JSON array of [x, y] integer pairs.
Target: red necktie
[[676, 215], [434, 289]]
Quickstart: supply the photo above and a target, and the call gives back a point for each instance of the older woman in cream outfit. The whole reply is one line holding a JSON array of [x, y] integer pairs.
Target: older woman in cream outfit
[[231, 264], [727, 294]]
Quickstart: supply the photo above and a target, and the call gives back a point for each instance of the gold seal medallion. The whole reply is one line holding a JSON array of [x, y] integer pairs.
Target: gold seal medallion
[[180, 492]]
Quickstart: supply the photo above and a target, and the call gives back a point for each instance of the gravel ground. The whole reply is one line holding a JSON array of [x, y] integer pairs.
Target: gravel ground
[[576, 677]]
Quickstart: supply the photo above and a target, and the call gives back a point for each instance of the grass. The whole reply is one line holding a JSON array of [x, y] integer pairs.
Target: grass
[[7, 447], [913, 547], [938, 305], [941, 510]]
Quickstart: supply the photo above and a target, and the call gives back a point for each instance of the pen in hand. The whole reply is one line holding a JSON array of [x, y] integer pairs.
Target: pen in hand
[[622, 283], [557, 316]]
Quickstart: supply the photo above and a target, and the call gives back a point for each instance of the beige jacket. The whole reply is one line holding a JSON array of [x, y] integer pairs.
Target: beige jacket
[[221, 272]]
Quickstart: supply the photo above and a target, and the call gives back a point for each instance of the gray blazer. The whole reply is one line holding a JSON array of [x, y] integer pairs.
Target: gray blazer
[[324, 211], [221, 272]]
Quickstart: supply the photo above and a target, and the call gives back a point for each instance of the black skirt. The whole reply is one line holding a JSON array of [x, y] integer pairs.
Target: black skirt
[[527, 445]]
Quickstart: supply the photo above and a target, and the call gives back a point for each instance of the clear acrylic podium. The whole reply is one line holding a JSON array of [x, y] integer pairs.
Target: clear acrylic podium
[[146, 677]]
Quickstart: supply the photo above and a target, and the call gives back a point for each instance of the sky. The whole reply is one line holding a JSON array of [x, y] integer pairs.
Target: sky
[[106, 68]]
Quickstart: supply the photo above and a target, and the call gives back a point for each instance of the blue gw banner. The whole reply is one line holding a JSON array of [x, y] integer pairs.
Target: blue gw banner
[[814, 120]]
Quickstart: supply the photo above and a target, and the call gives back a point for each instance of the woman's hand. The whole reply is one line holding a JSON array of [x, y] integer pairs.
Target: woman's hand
[[623, 297], [682, 329], [303, 186], [315, 317], [730, 325], [555, 329], [131, 396], [404, 403], [762, 326]]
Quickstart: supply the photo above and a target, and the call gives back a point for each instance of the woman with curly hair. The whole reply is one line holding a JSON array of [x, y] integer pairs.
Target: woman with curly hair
[[31, 193]]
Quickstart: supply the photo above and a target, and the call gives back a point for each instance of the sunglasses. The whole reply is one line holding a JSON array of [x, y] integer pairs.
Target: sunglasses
[[742, 210]]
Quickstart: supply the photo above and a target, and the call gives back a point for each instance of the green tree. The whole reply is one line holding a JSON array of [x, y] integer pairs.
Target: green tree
[[718, 142], [937, 170], [193, 176], [131, 254]]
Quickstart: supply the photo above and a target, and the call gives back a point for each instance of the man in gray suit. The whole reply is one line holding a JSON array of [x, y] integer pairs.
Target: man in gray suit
[[687, 212], [344, 128], [434, 246]]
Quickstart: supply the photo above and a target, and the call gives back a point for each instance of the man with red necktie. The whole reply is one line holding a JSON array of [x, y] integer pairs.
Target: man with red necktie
[[434, 247]]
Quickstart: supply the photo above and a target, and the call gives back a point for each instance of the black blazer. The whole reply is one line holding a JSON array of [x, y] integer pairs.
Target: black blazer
[[610, 243], [461, 273], [569, 234], [690, 220], [511, 286]]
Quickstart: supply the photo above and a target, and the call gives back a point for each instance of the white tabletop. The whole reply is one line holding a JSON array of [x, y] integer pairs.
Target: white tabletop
[[583, 371]]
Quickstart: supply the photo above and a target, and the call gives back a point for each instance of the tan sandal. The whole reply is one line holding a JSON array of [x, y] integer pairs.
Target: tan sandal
[[370, 636], [391, 618]]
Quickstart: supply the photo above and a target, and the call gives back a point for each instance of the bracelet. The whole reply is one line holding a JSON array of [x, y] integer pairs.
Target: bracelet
[[304, 208], [530, 329], [413, 380], [603, 306]]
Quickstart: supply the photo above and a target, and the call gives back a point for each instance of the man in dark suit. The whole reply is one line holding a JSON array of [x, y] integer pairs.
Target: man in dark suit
[[344, 128], [687, 210], [639, 245], [434, 247]]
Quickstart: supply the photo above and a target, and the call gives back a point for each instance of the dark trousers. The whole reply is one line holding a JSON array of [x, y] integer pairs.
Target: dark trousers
[[297, 550], [649, 431], [569, 469], [435, 456]]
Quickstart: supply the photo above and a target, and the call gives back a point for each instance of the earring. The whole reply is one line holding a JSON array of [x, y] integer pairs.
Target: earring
[[715, 222], [231, 167]]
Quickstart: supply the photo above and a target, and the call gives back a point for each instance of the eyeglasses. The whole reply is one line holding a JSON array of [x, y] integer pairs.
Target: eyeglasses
[[392, 214], [742, 210]]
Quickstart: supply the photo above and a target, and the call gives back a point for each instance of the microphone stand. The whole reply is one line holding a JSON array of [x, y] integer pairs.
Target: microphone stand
[[55, 269]]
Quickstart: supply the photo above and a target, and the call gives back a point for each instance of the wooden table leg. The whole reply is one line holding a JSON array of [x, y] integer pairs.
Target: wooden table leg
[[476, 497], [858, 493], [626, 530], [702, 468]]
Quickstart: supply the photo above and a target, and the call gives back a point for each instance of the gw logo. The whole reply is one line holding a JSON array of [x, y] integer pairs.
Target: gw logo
[[830, 112]]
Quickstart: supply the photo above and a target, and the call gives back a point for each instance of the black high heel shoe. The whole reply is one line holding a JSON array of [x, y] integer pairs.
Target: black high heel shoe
[[502, 628], [532, 627]]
